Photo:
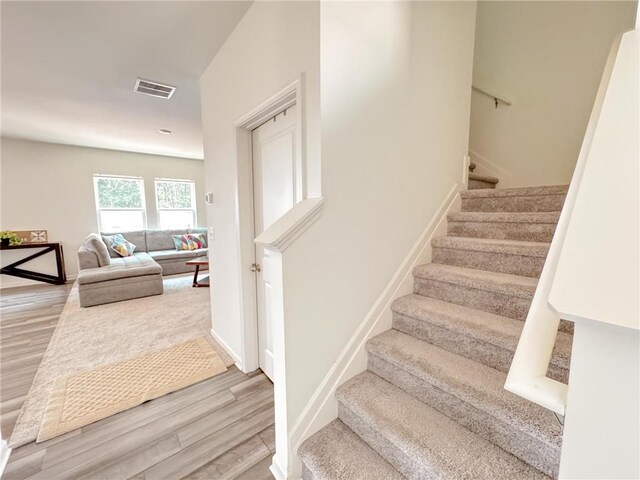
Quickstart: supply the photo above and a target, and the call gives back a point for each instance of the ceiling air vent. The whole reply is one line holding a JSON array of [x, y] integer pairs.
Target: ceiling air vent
[[154, 89]]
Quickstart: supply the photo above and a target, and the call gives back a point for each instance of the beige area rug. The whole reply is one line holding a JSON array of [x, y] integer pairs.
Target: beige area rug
[[86, 397], [87, 338]]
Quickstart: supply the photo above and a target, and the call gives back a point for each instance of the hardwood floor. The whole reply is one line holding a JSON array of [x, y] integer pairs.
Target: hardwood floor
[[221, 428], [28, 317]]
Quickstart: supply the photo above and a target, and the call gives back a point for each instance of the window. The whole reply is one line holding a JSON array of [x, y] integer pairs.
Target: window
[[119, 203], [176, 202]]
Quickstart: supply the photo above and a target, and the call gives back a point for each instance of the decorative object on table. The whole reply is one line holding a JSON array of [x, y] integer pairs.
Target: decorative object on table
[[198, 262], [7, 238], [33, 236], [44, 248]]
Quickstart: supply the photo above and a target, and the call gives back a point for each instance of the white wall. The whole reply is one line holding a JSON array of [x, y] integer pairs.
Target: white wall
[[271, 46], [50, 186], [547, 58], [602, 428], [396, 80], [395, 101]]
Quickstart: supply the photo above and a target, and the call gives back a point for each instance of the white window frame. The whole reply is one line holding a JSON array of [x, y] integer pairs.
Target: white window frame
[[193, 200], [143, 209]]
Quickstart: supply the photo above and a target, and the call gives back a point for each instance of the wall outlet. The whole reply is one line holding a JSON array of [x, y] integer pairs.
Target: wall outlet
[[212, 235], [209, 198]]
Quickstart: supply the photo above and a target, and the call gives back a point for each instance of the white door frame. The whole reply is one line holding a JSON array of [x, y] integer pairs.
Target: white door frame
[[285, 98]]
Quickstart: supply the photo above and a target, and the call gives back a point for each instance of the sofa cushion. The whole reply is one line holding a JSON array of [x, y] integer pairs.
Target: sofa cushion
[[162, 255], [162, 239], [189, 241], [87, 258], [94, 244], [198, 239], [137, 237], [121, 245], [137, 265], [183, 242]]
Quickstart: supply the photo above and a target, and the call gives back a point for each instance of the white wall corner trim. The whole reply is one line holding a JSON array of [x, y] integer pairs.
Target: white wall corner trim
[[322, 408], [5, 451], [277, 470], [229, 350], [292, 224], [488, 168]]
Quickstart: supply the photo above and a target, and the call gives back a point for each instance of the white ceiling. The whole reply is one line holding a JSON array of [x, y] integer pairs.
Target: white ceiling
[[69, 68]]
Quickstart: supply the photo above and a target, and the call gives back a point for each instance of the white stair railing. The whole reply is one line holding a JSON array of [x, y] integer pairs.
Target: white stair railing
[[527, 375]]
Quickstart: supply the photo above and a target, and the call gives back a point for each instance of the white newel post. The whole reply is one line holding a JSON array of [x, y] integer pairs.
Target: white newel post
[[272, 271], [597, 286], [602, 425], [275, 240]]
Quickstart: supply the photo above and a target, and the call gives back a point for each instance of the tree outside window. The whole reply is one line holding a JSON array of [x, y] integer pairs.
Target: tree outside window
[[120, 203], [176, 203]]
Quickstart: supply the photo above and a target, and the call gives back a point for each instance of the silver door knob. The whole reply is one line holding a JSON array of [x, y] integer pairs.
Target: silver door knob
[[255, 267]]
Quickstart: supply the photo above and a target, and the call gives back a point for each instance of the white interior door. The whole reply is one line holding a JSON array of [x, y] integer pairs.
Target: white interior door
[[275, 175]]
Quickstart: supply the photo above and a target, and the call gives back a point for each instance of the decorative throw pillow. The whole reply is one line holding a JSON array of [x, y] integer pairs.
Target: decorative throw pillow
[[120, 245], [94, 244], [198, 240], [183, 242]]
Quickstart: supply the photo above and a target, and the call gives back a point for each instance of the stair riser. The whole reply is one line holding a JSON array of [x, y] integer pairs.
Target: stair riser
[[526, 266], [545, 458], [531, 232], [534, 203], [492, 302], [388, 450], [478, 184], [474, 349]]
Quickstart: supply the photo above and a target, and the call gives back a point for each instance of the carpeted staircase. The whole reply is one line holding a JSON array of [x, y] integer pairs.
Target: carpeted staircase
[[477, 182], [432, 404]]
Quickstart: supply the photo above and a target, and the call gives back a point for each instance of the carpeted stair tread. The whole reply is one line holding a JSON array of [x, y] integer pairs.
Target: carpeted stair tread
[[416, 315], [518, 225], [517, 192], [417, 439], [508, 247], [502, 283], [483, 178], [505, 217], [529, 199], [515, 257], [476, 384], [335, 452]]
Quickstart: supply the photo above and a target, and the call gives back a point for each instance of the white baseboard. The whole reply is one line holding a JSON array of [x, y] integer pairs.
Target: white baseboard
[[490, 169], [5, 451], [229, 350], [14, 282], [323, 408], [277, 471]]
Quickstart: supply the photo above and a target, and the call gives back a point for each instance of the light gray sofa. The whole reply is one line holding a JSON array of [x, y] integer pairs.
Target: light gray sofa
[[139, 275]]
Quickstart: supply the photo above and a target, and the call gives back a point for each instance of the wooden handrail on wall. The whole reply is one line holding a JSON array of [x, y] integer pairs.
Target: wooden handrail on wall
[[496, 98]]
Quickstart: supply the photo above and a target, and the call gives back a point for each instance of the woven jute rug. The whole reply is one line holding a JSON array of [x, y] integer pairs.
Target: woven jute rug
[[86, 397]]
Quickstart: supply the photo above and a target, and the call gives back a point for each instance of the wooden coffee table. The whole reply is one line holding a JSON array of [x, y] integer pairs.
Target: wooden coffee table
[[204, 281]]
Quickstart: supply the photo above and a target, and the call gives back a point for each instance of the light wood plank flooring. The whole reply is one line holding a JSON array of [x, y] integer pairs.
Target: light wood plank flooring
[[28, 317], [221, 428]]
